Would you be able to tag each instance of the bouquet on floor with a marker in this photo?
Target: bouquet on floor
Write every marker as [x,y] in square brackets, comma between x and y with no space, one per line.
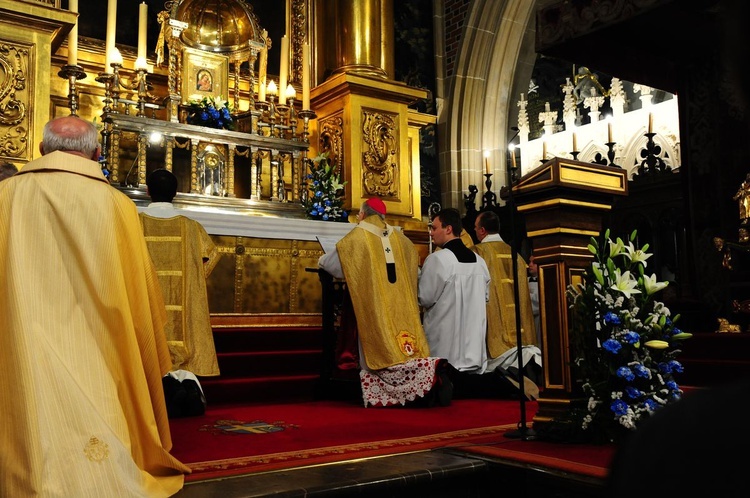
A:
[324,200]
[625,342]
[213,112]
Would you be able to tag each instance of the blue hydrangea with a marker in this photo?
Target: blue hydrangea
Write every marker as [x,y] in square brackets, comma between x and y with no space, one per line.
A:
[625,373]
[619,407]
[612,346]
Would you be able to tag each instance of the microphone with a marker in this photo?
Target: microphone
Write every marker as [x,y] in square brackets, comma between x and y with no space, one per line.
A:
[514,128]
[124,183]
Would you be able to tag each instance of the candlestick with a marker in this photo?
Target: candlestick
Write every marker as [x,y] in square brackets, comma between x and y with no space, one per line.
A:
[306,76]
[650,122]
[142,29]
[111,30]
[284,68]
[73,37]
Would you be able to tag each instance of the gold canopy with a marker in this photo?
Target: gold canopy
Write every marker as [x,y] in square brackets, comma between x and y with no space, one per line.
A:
[222,26]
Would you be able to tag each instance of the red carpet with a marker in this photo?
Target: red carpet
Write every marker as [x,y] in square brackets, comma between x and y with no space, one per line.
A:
[585,459]
[245,439]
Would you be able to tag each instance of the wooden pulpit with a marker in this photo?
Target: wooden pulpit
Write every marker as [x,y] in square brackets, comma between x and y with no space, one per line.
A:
[564,203]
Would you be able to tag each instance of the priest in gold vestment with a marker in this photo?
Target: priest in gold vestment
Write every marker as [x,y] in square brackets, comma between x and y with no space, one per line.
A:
[501,308]
[380,265]
[83,347]
[184,256]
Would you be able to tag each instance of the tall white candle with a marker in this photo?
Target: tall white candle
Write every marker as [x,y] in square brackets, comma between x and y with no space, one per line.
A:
[109,43]
[73,36]
[262,64]
[142,29]
[306,76]
[609,132]
[283,68]
[650,122]
[575,142]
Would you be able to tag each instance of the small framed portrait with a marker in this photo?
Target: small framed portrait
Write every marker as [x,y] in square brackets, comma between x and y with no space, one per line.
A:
[204,74]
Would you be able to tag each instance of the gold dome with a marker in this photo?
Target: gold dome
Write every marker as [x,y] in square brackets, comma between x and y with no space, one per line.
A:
[222,26]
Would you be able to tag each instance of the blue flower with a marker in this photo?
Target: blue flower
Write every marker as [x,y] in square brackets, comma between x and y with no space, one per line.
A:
[611,318]
[676,366]
[632,392]
[631,337]
[619,407]
[625,373]
[612,346]
[642,371]
[650,404]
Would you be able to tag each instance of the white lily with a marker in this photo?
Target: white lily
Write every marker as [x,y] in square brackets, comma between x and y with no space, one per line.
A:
[616,248]
[636,255]
[625,283]
[219,102]
[652,286]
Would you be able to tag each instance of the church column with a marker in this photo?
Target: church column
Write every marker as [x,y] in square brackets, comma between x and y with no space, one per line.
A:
[363,116]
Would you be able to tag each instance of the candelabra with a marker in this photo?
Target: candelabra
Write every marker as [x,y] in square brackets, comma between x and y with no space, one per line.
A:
[652,164]
[72,73]
[611,154]
[489,199]
[268,115]
[292,119]
[306,115]
[142,85]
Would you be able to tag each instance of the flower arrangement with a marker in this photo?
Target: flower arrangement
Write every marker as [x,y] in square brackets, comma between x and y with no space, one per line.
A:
[624,340]
[324,183]
[213,112]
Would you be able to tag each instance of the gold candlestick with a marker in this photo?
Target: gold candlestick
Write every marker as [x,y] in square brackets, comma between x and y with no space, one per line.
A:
[72,73]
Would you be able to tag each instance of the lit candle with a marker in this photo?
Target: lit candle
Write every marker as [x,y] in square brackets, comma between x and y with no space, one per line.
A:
[650,122]
[117,57]
[284,68]
[109,43]
[544,146]
[512,148]
[290,93]
[272,88]
[141,63]
[609,132]
[142,29]
[575,142]
[306,76]
[487,162]
[73,37]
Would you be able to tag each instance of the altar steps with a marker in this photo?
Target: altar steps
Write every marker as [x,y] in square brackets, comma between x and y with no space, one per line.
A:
[267,359]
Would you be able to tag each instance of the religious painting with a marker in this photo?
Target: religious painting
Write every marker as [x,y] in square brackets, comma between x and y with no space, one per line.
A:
[205,74]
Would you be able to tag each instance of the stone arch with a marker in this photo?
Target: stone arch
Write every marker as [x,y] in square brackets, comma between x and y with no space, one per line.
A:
[494,64]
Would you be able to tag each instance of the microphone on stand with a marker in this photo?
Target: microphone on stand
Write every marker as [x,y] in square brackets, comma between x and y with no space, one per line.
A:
[124,183]
[523,432]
